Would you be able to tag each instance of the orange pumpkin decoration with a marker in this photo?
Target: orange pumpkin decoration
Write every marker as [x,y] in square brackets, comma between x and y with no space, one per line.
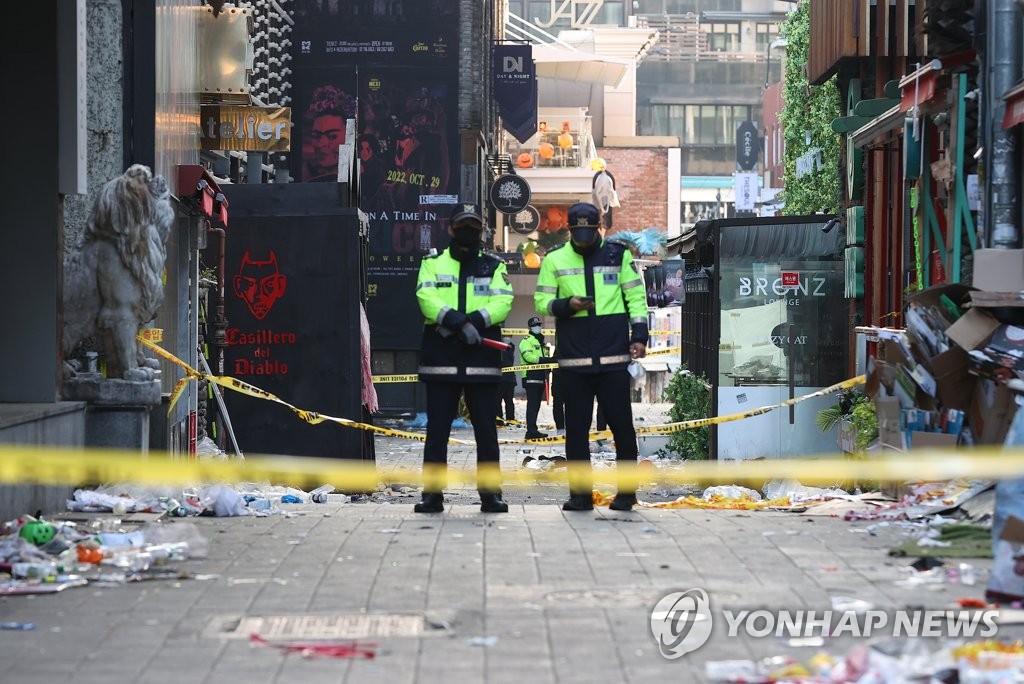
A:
[557,218]
[524,160]
[531,260]
[546,150]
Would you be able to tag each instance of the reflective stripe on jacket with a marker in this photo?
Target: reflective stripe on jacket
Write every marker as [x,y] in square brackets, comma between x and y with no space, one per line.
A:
[480,289]
[531,351]
[598,339]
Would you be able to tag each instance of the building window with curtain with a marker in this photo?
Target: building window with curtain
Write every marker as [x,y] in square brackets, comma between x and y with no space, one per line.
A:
[765,34]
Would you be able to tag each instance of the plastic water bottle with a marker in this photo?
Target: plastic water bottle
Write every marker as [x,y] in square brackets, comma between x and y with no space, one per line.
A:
[319,495]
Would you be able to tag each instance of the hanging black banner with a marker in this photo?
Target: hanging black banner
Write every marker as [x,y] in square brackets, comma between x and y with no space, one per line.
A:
[515,88]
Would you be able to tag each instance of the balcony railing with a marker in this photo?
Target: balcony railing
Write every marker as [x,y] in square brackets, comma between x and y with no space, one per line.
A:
[682,38]
[560,143]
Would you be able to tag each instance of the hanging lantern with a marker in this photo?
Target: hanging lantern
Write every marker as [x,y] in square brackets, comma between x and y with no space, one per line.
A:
[565,140]
[531,260]
[546,150]
[524,160]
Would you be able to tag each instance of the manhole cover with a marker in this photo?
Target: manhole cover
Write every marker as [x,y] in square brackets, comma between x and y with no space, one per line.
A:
[325,626]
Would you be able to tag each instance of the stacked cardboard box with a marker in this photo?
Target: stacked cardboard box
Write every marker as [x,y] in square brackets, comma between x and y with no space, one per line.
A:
[941,380]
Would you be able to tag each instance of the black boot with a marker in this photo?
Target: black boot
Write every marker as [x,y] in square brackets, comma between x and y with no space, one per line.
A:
[490,502]
[431,503]
[623,502]
[579,502]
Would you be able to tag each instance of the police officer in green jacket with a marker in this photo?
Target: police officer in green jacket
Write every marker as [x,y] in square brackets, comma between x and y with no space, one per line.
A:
[531,351]
[464,295]
[596,295]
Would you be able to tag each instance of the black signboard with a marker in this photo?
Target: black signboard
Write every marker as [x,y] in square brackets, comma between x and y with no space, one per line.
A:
[419,33]
[294,265]
[525,221]
[509,194]
[412,116]
[748,144]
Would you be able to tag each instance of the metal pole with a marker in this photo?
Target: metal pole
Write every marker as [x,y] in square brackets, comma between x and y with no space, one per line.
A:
[1002,66]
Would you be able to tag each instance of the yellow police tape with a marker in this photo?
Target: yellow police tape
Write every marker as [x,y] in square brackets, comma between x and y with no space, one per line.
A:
[311,417]
[669,428]
[314,418]
[63,466]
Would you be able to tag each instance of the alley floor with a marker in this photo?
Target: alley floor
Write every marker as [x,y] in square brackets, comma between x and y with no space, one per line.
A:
[535,595]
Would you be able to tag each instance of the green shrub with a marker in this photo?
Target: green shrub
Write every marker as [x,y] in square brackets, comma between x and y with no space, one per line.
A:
[690,396]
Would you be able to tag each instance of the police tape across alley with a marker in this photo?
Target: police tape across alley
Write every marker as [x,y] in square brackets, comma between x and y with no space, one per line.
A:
[314,418]
[53,465]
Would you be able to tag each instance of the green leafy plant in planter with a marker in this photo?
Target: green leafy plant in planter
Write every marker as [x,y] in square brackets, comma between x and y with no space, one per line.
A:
[690,396]
[856,407]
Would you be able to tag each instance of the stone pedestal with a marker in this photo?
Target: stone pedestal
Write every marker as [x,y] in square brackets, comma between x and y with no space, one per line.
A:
[117,415]
[118,427]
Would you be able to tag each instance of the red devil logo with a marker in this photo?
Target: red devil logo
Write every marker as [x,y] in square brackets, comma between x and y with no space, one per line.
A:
[259,284]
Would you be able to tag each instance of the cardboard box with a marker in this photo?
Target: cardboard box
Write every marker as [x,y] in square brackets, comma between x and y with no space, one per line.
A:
[999,270]
[991,412]
[973,329]
[887,411]
[932,440]
[954,380]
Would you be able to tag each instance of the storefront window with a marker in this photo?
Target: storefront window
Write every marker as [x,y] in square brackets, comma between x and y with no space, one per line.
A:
[776,334]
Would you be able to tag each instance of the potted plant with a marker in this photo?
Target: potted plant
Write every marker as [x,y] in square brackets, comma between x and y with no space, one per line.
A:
[854,414]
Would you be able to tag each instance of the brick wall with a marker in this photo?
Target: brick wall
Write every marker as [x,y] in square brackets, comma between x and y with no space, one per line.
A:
[641,181]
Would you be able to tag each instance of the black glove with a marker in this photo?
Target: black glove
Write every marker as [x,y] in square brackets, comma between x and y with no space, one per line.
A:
[454,320]
[469,334]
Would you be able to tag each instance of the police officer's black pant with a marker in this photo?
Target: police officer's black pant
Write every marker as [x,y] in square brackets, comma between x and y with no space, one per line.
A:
[557,401]
[534,395]
[442,409]
[611,389]
[506,394]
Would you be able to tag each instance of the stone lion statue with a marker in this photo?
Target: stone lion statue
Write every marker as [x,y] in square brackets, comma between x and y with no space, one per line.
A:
[113,276]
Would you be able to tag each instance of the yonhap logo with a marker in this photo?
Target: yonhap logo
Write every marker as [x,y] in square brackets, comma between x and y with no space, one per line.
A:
[681,622]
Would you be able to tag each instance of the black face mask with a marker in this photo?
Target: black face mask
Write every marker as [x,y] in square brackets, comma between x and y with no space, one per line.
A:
[584,237]
[466,236]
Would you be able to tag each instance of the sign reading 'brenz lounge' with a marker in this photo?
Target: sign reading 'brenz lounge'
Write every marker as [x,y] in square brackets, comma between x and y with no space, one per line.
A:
[249,129]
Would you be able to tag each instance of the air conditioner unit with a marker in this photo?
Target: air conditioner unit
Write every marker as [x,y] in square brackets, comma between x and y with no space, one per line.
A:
[225,54]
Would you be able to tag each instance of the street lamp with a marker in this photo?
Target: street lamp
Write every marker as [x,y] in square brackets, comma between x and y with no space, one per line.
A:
[776,43]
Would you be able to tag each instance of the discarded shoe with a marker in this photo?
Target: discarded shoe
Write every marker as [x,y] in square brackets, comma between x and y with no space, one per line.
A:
[579,502]
[492,503]
[623,502]
[536,435]
[431,503]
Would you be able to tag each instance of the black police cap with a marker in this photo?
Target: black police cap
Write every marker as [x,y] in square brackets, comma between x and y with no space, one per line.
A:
[584,215]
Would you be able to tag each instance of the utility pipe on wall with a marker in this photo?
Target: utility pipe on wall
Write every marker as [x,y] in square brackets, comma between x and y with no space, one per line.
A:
[1002,67]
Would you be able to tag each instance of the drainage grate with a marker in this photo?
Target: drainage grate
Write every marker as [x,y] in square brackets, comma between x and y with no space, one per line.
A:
[325,626]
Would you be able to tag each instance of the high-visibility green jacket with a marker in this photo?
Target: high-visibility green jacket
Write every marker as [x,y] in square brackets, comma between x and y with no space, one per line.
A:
[451,292]
[531,351]
[596,340]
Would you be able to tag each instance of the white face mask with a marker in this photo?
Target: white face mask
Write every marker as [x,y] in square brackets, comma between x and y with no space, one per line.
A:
[535,329]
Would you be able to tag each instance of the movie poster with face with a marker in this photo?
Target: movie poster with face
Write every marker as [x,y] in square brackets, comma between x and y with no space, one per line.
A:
[322,101]
[402,56]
